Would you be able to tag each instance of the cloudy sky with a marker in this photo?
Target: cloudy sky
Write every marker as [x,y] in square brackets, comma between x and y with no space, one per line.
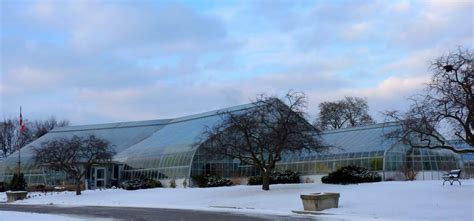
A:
[107,61]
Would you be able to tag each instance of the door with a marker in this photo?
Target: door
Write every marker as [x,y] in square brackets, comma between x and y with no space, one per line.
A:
[99,174]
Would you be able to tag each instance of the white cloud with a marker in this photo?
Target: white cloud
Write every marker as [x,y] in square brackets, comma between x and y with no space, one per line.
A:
[42,10]
[357,30]
[100,61]
[24,80]
[433,24]
[402,6]
[395,87]
[149,30]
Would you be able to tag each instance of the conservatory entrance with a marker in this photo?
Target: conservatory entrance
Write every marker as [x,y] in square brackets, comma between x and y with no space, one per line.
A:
[99,175]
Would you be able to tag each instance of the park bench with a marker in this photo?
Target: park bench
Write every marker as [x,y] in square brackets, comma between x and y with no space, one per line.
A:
[452,176]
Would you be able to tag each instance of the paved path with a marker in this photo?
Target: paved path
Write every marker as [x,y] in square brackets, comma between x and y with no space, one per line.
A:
[139,214]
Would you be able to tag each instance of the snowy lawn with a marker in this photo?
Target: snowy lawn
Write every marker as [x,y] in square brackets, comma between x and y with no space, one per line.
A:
[417,200]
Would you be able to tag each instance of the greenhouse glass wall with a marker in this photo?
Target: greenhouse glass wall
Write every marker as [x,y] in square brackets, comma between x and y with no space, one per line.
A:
[169,149]
[364,146]
[467,158]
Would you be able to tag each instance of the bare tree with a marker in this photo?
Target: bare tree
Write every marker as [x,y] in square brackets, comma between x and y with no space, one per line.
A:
[74,155]
[10,137]
[258,136]
[41,127]
[348,112]
[447,103]
[7,133]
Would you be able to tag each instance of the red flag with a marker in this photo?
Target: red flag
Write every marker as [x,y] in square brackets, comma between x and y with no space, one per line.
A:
[22,125]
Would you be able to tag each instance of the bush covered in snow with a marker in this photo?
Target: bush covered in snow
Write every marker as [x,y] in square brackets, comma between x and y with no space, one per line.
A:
[277,177]
[210,181]
[134,184]
[173,183]
[145,183]
[351,174]
[151,183]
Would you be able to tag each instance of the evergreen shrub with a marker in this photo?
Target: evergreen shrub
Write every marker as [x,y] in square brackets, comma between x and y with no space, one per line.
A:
[18,183]
[151,183]
[350,175]
[211,181]
[143,183]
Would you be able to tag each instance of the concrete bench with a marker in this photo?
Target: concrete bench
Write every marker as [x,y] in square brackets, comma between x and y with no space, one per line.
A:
[13,196]
[320,201]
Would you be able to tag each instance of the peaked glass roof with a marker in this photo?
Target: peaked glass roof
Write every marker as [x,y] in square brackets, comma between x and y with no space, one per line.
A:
[360,139]
[135,140]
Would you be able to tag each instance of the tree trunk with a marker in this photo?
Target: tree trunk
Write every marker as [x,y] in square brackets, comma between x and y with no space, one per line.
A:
[78,187]
[265,181]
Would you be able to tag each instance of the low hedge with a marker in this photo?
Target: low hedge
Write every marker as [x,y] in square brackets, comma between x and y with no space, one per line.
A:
[277,177]
[211,181]
[144,183]
[37,188]
[350,175]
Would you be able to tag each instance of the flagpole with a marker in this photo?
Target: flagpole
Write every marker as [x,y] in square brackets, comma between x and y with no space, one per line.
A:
[19,146]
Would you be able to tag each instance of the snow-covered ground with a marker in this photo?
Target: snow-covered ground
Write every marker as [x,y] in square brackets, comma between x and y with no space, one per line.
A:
[417,200]
[12,216]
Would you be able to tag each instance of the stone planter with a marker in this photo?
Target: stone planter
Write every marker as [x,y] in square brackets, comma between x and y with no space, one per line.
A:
[16,195]
[320,201]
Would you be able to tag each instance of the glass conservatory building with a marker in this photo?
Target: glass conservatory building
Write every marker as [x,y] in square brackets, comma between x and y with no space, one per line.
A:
[467,158]
[170,149]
